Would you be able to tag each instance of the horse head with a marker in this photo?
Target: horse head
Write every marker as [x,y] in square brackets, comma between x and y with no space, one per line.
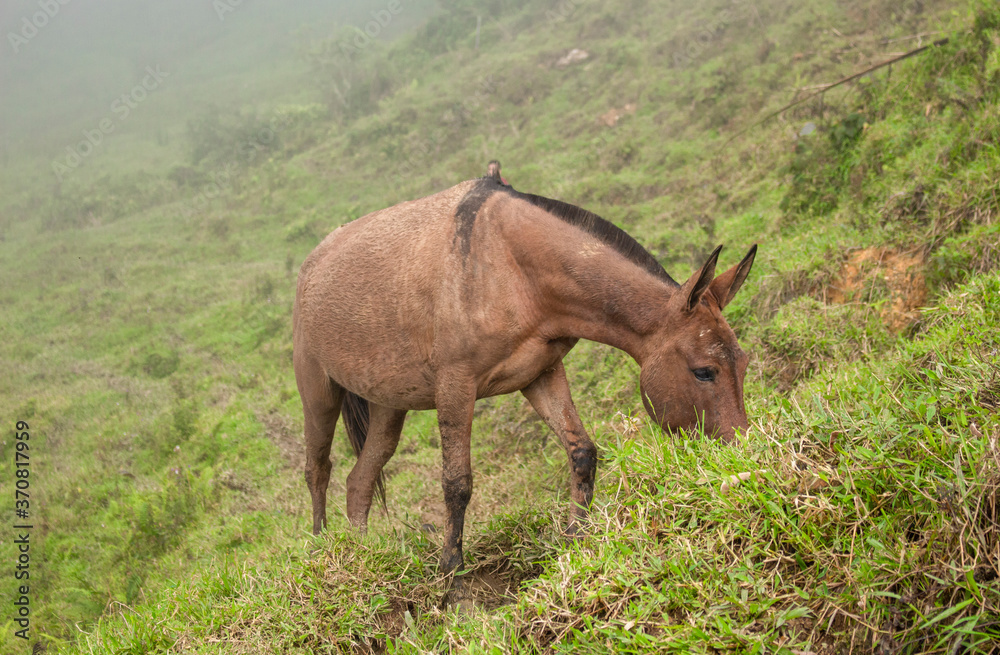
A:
[693,374]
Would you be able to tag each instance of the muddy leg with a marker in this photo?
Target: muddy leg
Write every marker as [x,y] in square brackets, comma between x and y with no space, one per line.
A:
[321,408]
[455,405]
[549,395]
[383,435]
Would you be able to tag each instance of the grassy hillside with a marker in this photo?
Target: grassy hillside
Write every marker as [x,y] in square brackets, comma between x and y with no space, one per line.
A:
[147,344]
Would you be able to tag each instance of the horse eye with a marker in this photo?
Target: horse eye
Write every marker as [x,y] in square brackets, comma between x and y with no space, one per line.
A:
[704,374]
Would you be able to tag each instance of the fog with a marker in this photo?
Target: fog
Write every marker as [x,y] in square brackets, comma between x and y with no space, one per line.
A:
[64,62]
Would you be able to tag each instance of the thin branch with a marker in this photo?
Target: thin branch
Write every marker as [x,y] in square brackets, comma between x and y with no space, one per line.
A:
[826,88]
[910,38]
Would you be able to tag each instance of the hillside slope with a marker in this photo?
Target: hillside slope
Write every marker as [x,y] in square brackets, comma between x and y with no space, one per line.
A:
[147,344]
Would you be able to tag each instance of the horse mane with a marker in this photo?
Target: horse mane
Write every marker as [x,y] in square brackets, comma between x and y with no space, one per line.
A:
[605,231]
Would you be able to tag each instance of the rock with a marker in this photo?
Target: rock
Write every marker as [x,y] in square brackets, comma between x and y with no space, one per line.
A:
[573,56]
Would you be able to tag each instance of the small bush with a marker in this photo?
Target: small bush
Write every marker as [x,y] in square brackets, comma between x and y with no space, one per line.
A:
[159,365]
[820,168]
[807,334]
[221,138]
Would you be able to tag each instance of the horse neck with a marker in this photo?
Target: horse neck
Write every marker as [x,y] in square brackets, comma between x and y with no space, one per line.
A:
[590,291]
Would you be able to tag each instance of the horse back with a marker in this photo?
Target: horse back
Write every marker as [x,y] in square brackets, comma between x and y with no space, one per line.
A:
[386,301]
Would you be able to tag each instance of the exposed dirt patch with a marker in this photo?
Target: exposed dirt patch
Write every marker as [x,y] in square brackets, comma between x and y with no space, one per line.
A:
[234,481]
[432,513]
[394,621]
[280,431]
[613,115]
[427,505]
[900,274]
[989,397]
[986,512]
[479,588]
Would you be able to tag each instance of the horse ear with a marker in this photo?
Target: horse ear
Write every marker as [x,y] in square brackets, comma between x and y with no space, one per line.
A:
[724,287]
[699,283]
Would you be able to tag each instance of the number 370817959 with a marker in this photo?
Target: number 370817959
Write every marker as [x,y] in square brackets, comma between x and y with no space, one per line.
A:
[22,473]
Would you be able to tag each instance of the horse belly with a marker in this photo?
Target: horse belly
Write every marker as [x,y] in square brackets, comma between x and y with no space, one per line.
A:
[387,374]
[523,366]
[406,398]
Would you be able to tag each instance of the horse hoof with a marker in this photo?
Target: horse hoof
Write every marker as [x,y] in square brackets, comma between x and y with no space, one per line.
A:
[458,595]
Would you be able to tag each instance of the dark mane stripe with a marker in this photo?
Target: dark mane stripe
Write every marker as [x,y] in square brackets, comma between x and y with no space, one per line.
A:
[605,231]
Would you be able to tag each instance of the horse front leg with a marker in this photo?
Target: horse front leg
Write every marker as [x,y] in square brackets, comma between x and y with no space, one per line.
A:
[549,395]
[455,404]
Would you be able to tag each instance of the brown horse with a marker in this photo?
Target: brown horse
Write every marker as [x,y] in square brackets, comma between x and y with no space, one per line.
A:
[480,290]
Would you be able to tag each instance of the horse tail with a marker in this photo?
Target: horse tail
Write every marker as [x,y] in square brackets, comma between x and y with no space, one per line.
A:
[356,420]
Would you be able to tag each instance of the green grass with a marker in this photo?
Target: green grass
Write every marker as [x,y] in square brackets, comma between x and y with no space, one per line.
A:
[871,515]
[147,343]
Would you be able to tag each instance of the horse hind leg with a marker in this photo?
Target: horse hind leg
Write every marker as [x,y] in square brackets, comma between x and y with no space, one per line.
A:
[377,445]
[321,398]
